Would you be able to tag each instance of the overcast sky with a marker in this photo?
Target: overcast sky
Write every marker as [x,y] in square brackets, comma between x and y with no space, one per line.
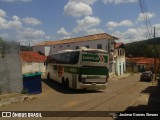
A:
[34,21]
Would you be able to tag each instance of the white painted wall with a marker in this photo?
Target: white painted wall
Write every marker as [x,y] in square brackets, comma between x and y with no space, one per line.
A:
[32,67]
[47,50]
[72,46]
[120,62]
[120,66]
[92,44]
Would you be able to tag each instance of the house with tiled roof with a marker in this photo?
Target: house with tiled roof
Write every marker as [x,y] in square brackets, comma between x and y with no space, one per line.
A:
[32,62]
[97,41]
[140,64]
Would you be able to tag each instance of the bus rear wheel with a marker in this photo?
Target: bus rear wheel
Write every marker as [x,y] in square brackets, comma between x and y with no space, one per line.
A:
[48,76]
[63,82]
[67,84]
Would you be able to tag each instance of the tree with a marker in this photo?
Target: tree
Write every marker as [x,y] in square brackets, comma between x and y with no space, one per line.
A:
[143,48]
[1,40]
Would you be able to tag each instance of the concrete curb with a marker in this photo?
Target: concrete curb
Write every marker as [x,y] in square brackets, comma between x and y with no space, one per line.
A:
[11,100]
[126,76]
[121,77]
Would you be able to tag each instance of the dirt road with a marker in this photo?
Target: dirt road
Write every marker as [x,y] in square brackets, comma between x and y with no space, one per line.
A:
[119,95]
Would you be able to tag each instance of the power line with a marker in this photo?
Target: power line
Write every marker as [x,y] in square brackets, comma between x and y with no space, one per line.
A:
[144,10]
[148,21]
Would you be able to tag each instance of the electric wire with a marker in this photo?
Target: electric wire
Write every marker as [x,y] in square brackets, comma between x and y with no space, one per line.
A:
[144,10]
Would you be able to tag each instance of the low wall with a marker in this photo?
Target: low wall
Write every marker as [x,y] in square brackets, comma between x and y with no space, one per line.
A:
[10,68]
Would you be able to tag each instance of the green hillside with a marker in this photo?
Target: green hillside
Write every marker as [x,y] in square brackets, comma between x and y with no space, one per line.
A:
[143,48]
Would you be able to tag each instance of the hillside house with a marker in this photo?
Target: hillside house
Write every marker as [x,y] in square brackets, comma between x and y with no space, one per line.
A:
[140,64]
[32,62]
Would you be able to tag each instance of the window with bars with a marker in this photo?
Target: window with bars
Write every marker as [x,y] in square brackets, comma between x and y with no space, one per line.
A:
[87,46]
[68,45]
[99,46]
[77,47]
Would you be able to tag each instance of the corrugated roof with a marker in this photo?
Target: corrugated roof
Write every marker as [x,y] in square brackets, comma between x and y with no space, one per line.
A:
[79,39]
[32,56]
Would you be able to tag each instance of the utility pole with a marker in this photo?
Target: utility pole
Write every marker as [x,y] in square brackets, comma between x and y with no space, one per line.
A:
[155,55]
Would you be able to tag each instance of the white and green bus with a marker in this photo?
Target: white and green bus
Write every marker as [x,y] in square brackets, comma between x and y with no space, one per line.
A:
[79,69]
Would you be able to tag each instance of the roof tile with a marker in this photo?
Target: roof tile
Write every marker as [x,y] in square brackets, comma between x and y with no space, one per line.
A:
[32,56]
[143,60]
[79,39]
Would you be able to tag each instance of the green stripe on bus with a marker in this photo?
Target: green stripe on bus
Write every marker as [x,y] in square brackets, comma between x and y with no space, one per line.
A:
[94,71]
[84,70]
[74,70]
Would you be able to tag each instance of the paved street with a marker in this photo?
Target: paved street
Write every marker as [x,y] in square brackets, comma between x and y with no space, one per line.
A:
[119,95]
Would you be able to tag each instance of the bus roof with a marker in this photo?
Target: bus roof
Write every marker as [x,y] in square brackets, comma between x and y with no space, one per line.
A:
[83,49]
[94,50]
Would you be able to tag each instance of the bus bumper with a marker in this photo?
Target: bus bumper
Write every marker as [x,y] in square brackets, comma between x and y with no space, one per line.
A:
[93,86]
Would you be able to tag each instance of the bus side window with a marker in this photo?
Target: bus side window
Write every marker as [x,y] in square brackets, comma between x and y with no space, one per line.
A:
[65,58]
[74,56]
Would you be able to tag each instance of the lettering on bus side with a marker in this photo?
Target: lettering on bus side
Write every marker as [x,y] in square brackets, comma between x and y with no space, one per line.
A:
[94,58]
[71,69]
